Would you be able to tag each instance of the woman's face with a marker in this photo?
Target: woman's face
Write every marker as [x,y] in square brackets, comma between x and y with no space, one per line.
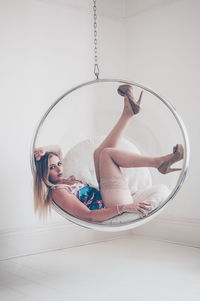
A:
[55,170]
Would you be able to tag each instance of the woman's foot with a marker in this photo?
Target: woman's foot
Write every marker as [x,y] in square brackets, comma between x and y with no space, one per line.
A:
[128,91]
[176,156]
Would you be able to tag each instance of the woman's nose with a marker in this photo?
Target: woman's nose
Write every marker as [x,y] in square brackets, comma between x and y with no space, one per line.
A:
[58,168]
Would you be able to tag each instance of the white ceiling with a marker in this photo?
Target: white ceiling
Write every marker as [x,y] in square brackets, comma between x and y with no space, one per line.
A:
[111,8]
[134,7]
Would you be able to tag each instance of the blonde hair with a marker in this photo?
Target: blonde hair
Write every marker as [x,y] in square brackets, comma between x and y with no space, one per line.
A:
[42,186]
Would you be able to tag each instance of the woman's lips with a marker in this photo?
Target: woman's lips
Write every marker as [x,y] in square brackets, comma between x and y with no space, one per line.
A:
[60,174]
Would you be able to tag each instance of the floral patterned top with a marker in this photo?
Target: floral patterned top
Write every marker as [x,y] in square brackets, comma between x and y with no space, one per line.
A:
[88,195]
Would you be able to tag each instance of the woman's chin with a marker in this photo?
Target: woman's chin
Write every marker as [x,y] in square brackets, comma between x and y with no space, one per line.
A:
[57,181]
[60,179]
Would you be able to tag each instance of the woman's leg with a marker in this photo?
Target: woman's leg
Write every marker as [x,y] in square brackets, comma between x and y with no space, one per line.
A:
[114,137]
[111,159]
[113,187]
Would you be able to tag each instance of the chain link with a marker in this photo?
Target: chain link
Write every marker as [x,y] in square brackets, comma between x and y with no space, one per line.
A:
[96,67]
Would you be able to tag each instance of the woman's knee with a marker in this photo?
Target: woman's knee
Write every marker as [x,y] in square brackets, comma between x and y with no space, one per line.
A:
[96,154]
[98,151]
[106,152]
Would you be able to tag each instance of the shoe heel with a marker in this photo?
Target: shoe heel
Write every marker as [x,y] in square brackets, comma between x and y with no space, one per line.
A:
[120,92]
[174,169]
[140,98]
[162,169]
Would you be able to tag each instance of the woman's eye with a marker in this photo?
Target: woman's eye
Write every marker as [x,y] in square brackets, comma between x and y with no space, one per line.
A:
[51,167]
[59,163]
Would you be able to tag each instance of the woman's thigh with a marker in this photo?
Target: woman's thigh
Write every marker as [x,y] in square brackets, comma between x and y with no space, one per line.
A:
[112,197]
[107,167]
[104,165]
[113,186]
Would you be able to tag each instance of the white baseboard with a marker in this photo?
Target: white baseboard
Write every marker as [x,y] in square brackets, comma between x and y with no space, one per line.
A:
[177,230]
[60,235]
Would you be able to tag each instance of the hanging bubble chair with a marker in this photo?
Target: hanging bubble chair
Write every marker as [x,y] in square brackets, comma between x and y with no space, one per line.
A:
[81,118]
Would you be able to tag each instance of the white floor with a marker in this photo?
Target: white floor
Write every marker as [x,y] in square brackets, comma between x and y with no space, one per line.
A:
[131,268]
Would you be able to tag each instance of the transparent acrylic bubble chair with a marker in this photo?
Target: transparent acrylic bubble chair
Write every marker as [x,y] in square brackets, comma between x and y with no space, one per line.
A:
[80,119]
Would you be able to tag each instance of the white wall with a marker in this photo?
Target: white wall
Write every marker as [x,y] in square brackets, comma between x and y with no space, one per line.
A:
[47,48]
[163,44]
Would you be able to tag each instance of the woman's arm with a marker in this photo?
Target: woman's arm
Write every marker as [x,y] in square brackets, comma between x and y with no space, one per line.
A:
[41,151]
[73,205]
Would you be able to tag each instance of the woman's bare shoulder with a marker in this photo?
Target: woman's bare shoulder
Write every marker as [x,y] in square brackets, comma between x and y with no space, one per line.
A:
[58,192]
[62,197]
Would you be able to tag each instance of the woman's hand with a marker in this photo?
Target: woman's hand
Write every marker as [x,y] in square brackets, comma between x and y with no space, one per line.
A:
[39,152]
[138,208]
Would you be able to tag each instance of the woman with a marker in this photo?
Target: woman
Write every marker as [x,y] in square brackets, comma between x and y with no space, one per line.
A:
[113,197]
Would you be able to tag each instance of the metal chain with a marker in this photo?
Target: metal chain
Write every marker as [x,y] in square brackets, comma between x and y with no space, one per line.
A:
[96,67]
